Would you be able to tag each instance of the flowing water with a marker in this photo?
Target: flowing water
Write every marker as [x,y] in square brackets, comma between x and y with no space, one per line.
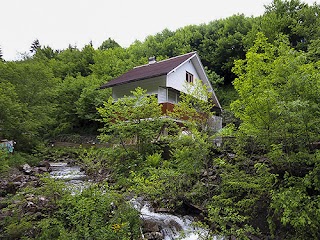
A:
[171,226]
[74,177]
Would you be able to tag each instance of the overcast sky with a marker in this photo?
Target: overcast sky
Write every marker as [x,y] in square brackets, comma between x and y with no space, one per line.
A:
[58,23]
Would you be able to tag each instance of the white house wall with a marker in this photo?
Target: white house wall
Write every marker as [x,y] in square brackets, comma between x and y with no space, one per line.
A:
[177,79]
[151,85]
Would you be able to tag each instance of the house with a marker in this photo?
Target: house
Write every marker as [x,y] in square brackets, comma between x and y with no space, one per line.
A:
[166,80]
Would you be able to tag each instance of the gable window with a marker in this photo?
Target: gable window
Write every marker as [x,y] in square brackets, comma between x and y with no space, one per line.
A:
[189,77]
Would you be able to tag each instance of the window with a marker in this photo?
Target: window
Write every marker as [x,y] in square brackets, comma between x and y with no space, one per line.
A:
[189,77]
[172,96]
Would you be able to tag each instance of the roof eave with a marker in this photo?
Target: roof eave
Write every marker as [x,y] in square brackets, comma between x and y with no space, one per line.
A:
[194,53]
[133,80]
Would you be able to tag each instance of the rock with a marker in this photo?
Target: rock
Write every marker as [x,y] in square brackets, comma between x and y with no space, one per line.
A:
[175,225]
[19,178]
[71,162]
[26,168]
[154,236]
[163,210]
[43,169]
[10,187]
[150,226]
[45,164]
[31,207]
[3,203]
[17,184]
[42,201]
[231,155]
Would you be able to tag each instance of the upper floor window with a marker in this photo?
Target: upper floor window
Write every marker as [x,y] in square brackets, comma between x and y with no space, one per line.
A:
[189,77]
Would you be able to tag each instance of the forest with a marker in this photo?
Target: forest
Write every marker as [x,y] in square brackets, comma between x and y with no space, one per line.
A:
[262,183]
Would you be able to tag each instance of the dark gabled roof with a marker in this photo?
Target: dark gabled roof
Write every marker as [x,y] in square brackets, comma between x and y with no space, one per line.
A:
[150,70]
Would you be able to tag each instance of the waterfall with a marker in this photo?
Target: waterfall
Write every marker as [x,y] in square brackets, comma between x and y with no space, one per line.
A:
[170,226]
[165,226]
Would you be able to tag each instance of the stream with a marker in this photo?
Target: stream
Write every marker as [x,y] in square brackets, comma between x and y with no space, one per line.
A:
[168,226]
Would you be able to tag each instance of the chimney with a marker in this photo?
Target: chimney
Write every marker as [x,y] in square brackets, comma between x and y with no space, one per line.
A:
[152,60]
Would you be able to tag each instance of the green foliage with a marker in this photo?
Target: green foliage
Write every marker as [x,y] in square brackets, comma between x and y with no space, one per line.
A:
[153,160]
[296,204]
[73,62]
[8,161]
[276,107]
[162,185]
[98,214]
[26,101]
[293,18]
[223,43]
[95,213]
[278,95]
[12,111]
[240,197]
[136,118]
[4,161]
[194,106]
[109,43]
[77,101]
[111,63]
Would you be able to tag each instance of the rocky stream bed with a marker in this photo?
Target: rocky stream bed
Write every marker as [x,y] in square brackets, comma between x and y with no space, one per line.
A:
[157,224]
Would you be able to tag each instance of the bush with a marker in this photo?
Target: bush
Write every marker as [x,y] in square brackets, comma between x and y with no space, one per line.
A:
[95,213]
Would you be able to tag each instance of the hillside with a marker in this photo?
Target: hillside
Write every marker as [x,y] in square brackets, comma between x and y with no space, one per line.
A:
[262,183]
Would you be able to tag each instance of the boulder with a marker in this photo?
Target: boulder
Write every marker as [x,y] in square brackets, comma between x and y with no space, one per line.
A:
[19,178]
[153,236]
[26,168]
[44,164]
[150,226]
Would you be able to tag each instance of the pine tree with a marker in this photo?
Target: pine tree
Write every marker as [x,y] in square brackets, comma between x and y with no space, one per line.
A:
[35,46]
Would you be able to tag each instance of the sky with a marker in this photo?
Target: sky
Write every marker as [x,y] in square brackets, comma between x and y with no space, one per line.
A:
[58,23]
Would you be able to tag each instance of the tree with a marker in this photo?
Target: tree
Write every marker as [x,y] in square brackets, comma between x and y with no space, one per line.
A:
[293,18]
[1,55]
[111,63]
[33,86]
[13,112]
[134,118]
[278,101]
[279,107]
[45,53]
[72,62]
[194,107]
[223,43]
[109,43]
[76,101]
[35,46]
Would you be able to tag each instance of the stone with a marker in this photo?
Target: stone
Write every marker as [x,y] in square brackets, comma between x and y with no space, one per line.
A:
[153,236]
[31,207]
[163,210]
[150,226]
[45,164]
[18,178]
[43,169]
[26,168]
[175,225]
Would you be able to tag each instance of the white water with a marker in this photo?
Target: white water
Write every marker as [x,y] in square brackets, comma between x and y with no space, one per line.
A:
[172,226]
[72,175]
[61,170]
